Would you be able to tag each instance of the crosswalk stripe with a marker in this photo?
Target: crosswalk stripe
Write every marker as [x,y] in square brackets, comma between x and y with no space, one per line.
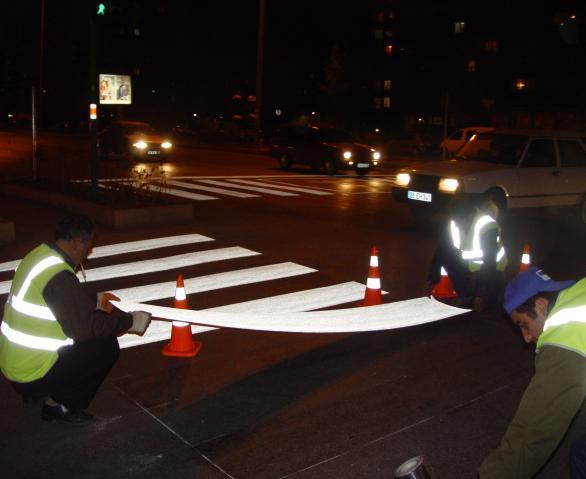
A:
[211,189]
[251,188]
[9,265]
[180,193]
[153,292]
[283,187]
[307,300]
[157,264]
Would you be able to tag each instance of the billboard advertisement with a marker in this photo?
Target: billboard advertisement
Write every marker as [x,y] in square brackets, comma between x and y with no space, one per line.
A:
[115,89]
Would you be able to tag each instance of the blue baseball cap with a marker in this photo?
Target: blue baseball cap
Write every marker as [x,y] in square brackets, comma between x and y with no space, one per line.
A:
[528,284]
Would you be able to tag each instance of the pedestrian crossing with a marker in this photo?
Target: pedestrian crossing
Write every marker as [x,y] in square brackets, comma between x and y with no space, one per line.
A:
[137,287]
[207,188]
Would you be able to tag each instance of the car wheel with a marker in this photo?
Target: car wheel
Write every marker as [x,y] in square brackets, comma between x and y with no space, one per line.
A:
[330,167]
[285,162]
[361,171]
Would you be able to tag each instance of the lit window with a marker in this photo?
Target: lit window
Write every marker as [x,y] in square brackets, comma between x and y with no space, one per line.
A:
[387,102]
[471,66]
[137,32]
[491,45]
[520,84]
[387,84]
[388,49]
[378,34]
[377,102]
[459,27]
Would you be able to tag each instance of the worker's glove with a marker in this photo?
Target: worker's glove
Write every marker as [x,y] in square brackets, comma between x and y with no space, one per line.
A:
[140,322]
[104,302]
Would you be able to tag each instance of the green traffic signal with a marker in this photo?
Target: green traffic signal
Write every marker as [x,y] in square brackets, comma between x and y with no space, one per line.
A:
[101,9]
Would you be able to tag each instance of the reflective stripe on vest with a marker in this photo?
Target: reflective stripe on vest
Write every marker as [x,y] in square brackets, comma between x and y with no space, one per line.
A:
[33,342]
[455,231]
[473,252]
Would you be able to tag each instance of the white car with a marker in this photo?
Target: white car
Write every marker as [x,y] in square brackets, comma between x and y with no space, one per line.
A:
[458,138]
[517,168]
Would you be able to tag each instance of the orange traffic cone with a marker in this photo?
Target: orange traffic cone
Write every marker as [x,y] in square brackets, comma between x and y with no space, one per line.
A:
[372,295]
[182,344]
[525,259]
[444,289]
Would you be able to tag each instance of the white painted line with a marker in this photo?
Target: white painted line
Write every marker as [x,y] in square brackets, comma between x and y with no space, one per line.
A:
[300,301]
[282,187]
[211,189]
[157,264]
[179,193]
[251,188]
[9,265]
[146,245]
[152,292]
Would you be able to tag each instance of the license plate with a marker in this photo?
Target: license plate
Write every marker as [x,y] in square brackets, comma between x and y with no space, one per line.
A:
[153,152]
[363,165]
[419,196]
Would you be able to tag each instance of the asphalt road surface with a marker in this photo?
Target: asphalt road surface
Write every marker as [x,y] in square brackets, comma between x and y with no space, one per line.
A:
[275,405]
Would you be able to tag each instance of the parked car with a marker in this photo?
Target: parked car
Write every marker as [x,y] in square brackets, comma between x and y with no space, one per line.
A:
[458,138]
[328,148]
[133,141]
[518,169]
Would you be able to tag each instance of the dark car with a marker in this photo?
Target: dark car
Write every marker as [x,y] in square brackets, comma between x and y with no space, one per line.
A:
[328,148]
[133,141]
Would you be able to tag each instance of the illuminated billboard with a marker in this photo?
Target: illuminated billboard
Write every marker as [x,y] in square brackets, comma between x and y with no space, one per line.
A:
[115,89]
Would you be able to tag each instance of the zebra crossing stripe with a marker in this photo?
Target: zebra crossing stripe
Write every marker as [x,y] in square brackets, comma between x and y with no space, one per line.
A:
[9,265]
[180,193]
[211,189]
[283,187]
[291,302]
[157,264]
[267,191]
[152,292]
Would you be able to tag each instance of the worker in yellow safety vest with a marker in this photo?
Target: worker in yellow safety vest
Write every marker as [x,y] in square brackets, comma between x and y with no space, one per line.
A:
[57,342]
[551,314]
[473,257]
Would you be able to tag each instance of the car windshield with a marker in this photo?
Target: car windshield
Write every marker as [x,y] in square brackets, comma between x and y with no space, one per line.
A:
[138,128]
[493,148]
[330,134]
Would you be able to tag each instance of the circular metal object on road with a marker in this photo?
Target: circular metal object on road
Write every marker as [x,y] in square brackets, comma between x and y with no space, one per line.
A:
[412,469]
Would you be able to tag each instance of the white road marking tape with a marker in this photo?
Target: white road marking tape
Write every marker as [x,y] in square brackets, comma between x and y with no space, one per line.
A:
[401,314]
[157,264]
[180,193]
[211,189]
[9,265]
[300,301]
[282,187]
[153,292]
[251,188]
[146,245]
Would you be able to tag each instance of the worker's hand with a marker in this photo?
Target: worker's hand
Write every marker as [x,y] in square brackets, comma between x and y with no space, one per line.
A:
[140,322]
[104,302]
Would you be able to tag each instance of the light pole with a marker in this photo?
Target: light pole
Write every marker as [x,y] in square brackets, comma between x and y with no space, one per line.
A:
[259,67]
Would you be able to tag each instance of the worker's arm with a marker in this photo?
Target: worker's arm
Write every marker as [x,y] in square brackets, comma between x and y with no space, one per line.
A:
[76,311]
[547,408]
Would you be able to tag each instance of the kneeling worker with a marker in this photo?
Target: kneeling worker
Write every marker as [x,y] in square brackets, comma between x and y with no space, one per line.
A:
[550,314]
[56,341]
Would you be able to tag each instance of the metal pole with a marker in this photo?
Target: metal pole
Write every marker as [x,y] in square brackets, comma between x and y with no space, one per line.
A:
[444,150]
[34,127]
[93,97]
[259,67]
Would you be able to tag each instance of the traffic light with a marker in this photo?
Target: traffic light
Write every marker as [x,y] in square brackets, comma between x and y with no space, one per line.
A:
[103,8]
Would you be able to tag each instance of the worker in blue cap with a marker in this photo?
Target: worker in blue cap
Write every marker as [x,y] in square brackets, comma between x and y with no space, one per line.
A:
[551,314]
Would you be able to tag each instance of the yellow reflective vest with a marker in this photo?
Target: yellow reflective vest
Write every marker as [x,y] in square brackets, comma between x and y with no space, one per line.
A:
[470,246]
[30,334]
[565,325]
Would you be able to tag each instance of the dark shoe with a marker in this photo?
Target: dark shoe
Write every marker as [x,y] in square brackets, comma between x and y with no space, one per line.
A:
[62,414]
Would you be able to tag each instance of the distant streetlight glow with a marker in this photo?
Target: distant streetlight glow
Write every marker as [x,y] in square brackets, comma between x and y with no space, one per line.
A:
[376,130]
[313,113]
[93,111]
[278,112]
[194,115]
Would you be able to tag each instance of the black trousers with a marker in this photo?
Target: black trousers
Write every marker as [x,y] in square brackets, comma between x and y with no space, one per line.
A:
[77,374]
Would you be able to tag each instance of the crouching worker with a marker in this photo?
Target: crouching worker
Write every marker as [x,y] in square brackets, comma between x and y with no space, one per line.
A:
[57,342]
[472,253]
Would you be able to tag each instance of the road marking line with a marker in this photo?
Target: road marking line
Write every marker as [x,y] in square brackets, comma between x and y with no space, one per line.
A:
[307,300]
[282,187]
[211,189]
[157,264]
[200,284]
[180,193]
[146,245]
[251,188]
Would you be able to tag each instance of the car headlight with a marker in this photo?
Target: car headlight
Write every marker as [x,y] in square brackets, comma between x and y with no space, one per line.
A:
[347,155]
[403,179]
[376,155]
[166,145]
[448,185]
[141,145]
